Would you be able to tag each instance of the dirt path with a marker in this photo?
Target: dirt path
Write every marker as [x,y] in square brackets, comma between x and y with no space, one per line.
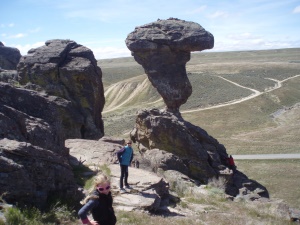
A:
[236,101]
[256,93]
[268,156]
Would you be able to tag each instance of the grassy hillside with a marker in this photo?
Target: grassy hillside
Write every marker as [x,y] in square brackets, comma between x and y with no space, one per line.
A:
[267,122]
[127,89]
[280,177]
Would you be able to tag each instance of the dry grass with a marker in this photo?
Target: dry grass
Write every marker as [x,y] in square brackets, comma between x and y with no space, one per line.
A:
[209,209]
[280,177]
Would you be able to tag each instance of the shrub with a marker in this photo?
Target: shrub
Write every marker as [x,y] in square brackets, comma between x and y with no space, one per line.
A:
[219,183]
[57,214]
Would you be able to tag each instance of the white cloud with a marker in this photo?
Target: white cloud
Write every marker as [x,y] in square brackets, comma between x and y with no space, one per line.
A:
[242,36]
[7,25]
[297,9]
[25,48]
[99,53]
[219,14]
[35,30]
[95,14]
[110,52]
[20,35]
[3,35]
[197,10]
[252,44]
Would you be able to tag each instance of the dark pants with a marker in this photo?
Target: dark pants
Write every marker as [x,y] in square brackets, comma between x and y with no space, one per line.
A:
[124,175]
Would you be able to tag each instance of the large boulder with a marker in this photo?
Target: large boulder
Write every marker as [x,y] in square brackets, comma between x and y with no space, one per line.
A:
[200,153]
[39,119]
[59,96]
[33,157]
[66,69]
[29,174]
[92,152]
[9,57]
[163,48]
[167,142]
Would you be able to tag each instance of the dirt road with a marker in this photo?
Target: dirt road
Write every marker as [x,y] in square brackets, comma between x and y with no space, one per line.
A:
[268,156]
[236,101]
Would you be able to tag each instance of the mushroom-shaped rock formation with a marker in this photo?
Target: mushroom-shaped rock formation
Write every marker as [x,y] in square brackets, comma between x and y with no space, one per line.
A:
[163,48]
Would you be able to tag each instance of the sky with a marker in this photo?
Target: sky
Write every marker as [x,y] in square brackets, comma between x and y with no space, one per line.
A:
[103,25]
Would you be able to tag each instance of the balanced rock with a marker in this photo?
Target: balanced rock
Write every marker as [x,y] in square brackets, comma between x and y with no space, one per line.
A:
[9,57]
[163,49]
[66,69]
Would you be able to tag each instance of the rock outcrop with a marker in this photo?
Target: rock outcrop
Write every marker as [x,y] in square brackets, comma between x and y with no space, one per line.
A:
[29,174]
[150,192]
[66,69]
[102,151]
[36,118]
[165,140]
[168,142]
[156,181]
[9,57]
[55,94]
[33,157]
[163,48]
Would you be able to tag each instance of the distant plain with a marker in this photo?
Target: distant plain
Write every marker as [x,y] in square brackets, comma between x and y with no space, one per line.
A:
[248,100]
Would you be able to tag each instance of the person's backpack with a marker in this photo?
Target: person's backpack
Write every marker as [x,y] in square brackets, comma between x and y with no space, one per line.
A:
[119,154]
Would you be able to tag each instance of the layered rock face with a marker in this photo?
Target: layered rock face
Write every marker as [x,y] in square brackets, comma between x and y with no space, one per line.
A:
[163,48]
[60,96]
[66,69]
[30,174]
[200,154]
[33,157]
[9,57]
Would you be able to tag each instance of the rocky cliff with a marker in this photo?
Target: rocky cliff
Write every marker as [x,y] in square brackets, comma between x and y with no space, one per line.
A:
[56,93]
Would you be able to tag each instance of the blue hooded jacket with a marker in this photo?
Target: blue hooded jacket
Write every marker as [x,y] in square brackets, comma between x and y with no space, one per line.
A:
[125,155]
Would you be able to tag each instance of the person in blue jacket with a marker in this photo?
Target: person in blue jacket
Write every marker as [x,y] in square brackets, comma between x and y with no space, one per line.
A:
[99,202]
[125,156]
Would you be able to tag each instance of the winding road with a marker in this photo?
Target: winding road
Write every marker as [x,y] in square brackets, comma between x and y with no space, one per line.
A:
[236,101]
[267,156]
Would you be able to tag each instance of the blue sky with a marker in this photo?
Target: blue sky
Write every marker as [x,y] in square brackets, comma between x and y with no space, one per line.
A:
[103,26]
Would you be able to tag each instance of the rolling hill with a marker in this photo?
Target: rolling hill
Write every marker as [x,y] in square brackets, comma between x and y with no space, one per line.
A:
[240,98]
[248,100]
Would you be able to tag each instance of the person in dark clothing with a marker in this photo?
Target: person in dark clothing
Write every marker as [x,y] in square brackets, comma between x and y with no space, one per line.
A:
[125,156]
[231,163]
[99,202]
